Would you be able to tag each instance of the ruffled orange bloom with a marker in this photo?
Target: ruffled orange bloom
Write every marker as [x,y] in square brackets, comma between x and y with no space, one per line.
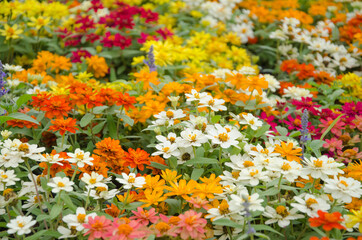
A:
[154,107]
[112,210]
[289,66]
[107,96]
[354,170]
[57,106]
[136,158]
[288,152]
[112,153]
[147,78]
[172,87]
[328,221]
[64,125]
[97,66]
[99,166]
[78,92]
[60,63]
[139,115]
[125,100]
[305,71]
[356,204]
[22,123]
[323,77]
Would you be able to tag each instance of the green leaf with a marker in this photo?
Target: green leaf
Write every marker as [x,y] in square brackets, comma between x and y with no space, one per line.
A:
[99,109]
[262,130]
[316,145]
[282,131]
[23,99]
[126,119]
[18,116]
[42,217]
[270,192]
[201,160]
[215,119]
[227,222]
[158,165]
[112,74]
[68,202]
[37,235]
[295,134]
[196,173]
[98,127]
[86,119]
[111,127]
[331,126]
[56,210]
[265,228]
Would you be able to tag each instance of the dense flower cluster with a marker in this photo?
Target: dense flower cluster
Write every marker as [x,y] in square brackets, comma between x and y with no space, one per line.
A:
[165,119]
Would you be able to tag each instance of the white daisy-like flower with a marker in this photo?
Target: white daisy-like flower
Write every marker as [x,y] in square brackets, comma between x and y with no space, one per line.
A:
[343,189]
[310,204]
[33,200]
[61,184]
[169,116]
[252,121]
[322,167]
[21,225]
[93,180]
[171,137]
[213,103]
[66,232]
[224,136]
[13,83]
[192,137]
[196,123]
[221,211]
[273,83]
[131,181]
[78,219]
[237,202]
[7,178]
[279,35]
[52,159]
[281,214]
[6,134]
[12,68]
[245,70]
[167,149]
[195,96]
[102,193]
[296,93]
[80,158]
[290,170]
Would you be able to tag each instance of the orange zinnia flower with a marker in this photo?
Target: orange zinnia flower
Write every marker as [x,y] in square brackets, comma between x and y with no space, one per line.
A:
[99,166]
[288,152]
[327,220]
[57,106]
[64,125]
[22,123]
[113,210]
[136,158]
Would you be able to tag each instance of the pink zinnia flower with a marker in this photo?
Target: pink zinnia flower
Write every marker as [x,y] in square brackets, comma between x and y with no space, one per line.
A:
[336,129]
[333,144]
[144,217]
[97,227]
[123,229]
[199,203]
[164,227]
[191,225]
[306,103]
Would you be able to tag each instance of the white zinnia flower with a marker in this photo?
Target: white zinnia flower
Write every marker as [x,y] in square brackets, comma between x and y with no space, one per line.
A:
[252,121]
[12,68]
[93,180]
[58,184]
[21,225]
[80,158]
[213,103]
[131,180]
[321,167]
[78,219]
[310,204]
[223,136]
[343,189]
[195,96]
[192,138]
[281,214]
[167,149]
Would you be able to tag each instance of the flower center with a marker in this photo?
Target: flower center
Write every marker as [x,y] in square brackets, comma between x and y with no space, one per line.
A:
[248,164]
[36,199]
[235,174]
[310,201]
[172,139]
[286,166]
[165,149]
[254,172]
[318,163]
[192,137]
[169,114]
[81,218]
[223,137]
[92,181]
[21,224]
[211,102]
[224,208]
[251,122]
[131,179]
[162,227]
[79,155]
[344,183]
[60,184]
[24,148]
[282,211]
[4,176]
[97,226]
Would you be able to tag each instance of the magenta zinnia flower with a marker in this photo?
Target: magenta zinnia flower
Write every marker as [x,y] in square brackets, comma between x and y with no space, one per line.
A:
[191,225]
[97,227]
[307,103]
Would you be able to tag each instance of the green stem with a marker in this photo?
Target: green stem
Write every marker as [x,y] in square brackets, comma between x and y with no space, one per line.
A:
[62,141]
[75,172]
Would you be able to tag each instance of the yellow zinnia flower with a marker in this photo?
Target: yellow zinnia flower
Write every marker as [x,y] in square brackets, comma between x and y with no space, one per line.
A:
[11,32]
[38,22]
[354,219]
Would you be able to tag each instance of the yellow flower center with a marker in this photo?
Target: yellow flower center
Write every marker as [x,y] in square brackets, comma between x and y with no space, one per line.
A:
[162,227]
[4,176]
[224,208]
[172,139]
[211,102]
[286,166]
[100,189]
[38,200]
[251,122]
[318,163]
[131,179]
[165,149]
[20,224]
[169,114]
[282,211]
[248,164]
[81,218]
[60,184]
[265,151]
[24,148]
[223,137]
[79,155]
[310,201]
[254,172]
[344,183]
[92,181]
[192,137]
[235,174]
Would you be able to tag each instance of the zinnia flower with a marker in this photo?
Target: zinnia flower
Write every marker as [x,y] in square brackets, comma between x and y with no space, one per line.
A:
[97,227]
[64,125]
[191,225]
[327,220]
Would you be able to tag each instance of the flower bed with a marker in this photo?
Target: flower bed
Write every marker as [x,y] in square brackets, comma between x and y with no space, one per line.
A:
[181,119]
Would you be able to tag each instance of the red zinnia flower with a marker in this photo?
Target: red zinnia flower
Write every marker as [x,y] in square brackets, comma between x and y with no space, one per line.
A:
[64,125]
[327,220]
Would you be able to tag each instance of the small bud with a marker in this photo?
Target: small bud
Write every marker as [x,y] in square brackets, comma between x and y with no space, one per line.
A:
[6,134]
[157,130]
